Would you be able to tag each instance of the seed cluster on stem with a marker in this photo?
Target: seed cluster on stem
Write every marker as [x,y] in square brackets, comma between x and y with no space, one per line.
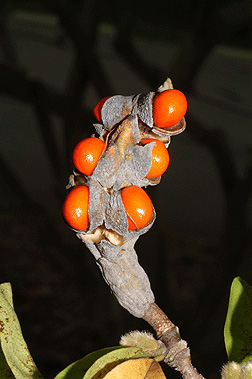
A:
[135,132]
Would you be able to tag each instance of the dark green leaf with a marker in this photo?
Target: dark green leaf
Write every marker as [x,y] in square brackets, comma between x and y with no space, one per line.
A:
[5,371]
[78,369]
[238,325]
[108,361]
[13,345]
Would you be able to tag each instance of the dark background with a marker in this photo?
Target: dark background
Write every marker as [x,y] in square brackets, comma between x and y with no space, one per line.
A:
[58,58]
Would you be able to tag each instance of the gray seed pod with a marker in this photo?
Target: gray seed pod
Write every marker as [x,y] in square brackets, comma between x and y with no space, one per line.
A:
[125,162]
[144,108]
[115,109]
[124,275]
[97,200]
[107,209]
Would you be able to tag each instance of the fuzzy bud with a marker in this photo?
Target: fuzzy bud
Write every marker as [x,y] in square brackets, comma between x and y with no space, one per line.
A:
[146,342]
[231,370]
[247,371]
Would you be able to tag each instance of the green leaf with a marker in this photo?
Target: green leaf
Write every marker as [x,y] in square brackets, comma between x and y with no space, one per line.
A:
[77,369]
[100,362]
[238,325]
[5,371]
[14,348]
[108,361]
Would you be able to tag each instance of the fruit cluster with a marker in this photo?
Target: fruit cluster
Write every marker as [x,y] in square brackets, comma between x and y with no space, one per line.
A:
[134,163]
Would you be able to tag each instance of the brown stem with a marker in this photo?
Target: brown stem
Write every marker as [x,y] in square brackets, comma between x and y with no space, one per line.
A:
[178,356]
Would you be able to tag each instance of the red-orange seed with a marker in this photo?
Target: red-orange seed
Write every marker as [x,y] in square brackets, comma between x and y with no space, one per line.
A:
[98,108]
[75,208]
[87,153]
[138,207]
[169,107]
[160,158]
